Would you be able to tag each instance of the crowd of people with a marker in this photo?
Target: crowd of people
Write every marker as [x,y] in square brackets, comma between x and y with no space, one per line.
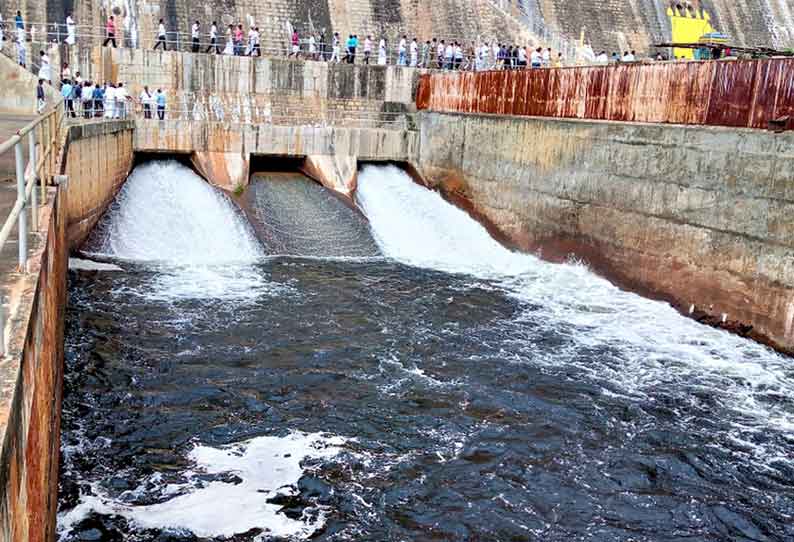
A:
[88,99]
[430,54]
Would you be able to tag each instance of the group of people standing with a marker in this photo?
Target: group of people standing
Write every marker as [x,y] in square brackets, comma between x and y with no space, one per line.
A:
[110,100]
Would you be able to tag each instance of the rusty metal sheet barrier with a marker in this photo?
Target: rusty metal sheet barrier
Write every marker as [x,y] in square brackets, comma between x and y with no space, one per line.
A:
[741,93]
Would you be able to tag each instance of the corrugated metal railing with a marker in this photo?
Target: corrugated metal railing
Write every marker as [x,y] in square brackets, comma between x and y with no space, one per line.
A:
[740,93]
[44,140]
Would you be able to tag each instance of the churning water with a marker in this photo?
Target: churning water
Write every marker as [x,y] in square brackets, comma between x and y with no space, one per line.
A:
[450,390]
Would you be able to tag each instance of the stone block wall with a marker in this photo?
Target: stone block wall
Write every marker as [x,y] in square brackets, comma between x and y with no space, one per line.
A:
[607,24]
[97,160]
[698,216]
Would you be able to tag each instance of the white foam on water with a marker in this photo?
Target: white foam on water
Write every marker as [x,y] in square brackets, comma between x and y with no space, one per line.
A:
[217,508]
[80,264]
[650,344]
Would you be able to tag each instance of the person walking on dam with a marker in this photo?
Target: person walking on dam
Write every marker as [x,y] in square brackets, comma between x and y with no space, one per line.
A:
[110,32]
[41,97]
[367,49]
[195,32]
[160,100]
[214,39]
[161,36]
[71,30]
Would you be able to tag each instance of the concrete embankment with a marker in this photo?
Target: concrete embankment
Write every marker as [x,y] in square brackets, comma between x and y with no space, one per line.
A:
[96,158]
[698,216]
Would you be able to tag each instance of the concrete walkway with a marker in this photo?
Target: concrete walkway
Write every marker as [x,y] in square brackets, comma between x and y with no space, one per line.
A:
[9,125]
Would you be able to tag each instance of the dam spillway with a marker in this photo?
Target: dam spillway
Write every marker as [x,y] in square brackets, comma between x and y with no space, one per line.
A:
[448,388]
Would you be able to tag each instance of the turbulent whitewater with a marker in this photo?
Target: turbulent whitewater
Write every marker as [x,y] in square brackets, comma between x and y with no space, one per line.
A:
[167,213]
[448,390]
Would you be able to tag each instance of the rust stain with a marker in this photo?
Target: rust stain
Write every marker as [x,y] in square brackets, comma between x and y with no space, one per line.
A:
[741,93]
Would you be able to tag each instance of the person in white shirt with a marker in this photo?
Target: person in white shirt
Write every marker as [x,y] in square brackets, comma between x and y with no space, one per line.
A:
[229,49]
[194,36]
[449,54]
[382,53]
[312,47]
[628,57]
[161,36]
[440,54]
[110,101]
[21,49]
[336,50]
[78,78]
[147,101]
[536,58]
[414,53]
[121,101]
[71,30]
[602,58]
[458,56]
[88,100]
[401,50]
[45,70]
[367,49]
[66,73]
[547,57]
[214,39]
[249,51]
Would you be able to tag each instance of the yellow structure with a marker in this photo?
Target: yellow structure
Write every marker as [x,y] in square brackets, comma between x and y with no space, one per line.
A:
[689,25]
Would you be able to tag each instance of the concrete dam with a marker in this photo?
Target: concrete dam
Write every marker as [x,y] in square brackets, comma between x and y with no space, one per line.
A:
[347,302]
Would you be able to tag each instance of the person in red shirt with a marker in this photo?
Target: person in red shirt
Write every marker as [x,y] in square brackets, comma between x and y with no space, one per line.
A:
[110,30]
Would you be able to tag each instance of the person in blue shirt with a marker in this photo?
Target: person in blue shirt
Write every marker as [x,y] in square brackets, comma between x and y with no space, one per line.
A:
[160,99]
[350,45]
[99,101]
[18,20]
[353,49]
[67,93]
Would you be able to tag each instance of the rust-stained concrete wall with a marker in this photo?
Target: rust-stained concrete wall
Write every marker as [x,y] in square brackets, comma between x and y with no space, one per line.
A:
[698,216]
[98,158]
[32,384]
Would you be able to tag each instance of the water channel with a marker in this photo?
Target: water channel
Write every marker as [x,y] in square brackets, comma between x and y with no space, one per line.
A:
[301,369]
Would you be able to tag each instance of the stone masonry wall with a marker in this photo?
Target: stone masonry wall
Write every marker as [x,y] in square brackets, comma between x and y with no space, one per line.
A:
[98,159]
[698,216]
[607,24]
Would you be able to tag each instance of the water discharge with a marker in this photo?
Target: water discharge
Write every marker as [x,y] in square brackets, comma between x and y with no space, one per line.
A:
[295,216]
[167,213]
[448,390]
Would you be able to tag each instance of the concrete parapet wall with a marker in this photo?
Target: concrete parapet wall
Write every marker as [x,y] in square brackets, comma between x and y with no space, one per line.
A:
[32,386]
[98,158]
[267,139]
[694,215]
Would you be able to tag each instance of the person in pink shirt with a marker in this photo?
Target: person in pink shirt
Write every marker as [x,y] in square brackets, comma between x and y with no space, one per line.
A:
[296,44]
[238,40]
[110,30]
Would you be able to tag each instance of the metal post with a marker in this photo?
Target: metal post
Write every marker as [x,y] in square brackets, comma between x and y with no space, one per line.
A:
[34,207]
[23,223]
[2,326]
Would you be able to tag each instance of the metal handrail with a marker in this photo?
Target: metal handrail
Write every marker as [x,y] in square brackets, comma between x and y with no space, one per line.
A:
[44,139]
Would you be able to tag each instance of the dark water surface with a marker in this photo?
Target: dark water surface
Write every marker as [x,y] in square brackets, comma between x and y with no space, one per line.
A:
[456,424]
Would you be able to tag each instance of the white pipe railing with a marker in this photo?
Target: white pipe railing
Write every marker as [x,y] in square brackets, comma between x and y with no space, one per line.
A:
[44,140]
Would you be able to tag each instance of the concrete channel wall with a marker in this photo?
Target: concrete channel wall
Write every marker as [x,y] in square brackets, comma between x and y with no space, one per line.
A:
[96,159]
[699,216]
